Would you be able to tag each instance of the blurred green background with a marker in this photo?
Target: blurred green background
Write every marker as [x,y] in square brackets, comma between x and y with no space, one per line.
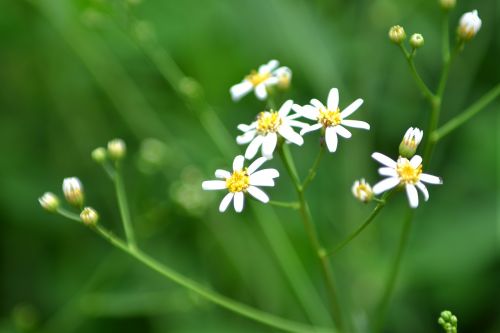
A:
[75,74]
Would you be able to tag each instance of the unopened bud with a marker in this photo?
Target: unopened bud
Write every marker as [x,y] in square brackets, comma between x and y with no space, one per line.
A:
[469,25]
[284,76]
[410,142]
[89,216]
[362,191]
[99,155]
[73,191]
[397,34]
[447,4]
[49,202]
[117,149]
[416,41]
[448,322]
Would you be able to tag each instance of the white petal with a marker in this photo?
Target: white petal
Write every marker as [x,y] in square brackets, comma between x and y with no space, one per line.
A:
[333,99]
[255,165]
[385,171]
[290,135]
[296,123]
[310,128]
[225,202]
[285,108]
[241,89]
[307,111]
[261,91]
[258,194]
[270,66]
[331,139]
[273,80]
[356,124]
[210,185]
[246,128]
[264,173]
[253,147]
[351,108]
[385,185]
[317,104]
[342,131]
[269,144]
[219,173]
[239,200]
[238,162]
[424,177]
[423,189]
[412,194]
[416,161]
[246,137]
[384,160]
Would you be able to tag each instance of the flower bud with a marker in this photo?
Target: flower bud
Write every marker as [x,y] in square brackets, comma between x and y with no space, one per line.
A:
[89,216]
[469,25]
[284,76]
[99,155]
[117,149]
[362,191]
[397,34]
[49,202]
[447,4]
[416,41]
[411,140]
[448,322]
[73,191]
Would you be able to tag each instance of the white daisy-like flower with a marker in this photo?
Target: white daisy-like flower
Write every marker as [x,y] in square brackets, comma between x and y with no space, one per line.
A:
[264,131]
[240,181]
[258,81]
[331,118]
[469,25]
[404,172]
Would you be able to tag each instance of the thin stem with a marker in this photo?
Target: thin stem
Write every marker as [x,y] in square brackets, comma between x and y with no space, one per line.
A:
[69,215]
[312,234]
[445,37]
[467,114]
[391,282]
[234,306]
[446,69]
[313,169]
[123,206]
[284,204]
[418,80]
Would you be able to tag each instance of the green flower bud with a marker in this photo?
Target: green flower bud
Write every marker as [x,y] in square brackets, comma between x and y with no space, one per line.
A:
[397,34]
[89,216]
[73,191]
[117,149]
[410,142]
[49,202]
[447,4]
[448,322]
[99,155]
[416,41]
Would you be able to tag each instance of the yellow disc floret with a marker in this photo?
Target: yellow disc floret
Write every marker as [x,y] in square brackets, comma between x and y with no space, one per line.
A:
[238,181]
[268,122]
[329,118]
[257,78]
[407,173]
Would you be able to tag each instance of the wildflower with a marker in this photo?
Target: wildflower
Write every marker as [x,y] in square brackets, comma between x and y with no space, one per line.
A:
[99,155]
[89,216]
[469,25]
[411,140]
[362,191]
[264,132]
[416,41]
[117,149]
[73,191]
[397,34]
[258,81]
[404,172]
[240,181]
[331,118]
[49,202]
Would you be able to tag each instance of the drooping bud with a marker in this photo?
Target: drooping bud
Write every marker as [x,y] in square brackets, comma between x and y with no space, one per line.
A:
[362,191]
[117,149]
[448,321]
[99,155]
[447,4]
[49,202]
[469,25]
[416,41]
[89,216]
[410,142]
[397,34]
[73,191]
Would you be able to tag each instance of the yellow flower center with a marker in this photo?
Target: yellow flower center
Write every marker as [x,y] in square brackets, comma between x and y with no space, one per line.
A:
[407,173]
[329,118]
[238,181]
[257,78]
[268,122]
[363,191]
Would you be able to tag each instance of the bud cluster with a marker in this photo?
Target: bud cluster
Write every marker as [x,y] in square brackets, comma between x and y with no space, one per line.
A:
[448,321]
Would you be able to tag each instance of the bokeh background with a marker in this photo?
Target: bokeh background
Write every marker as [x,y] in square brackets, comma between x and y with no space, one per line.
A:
[75,74]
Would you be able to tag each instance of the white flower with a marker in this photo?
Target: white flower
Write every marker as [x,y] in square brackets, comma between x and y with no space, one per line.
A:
[264,132]
[469,25]
[331,118]
[410,142]
[258,81]
[49,201]
[73,191]
[117,149]
[404,172]
[362,191]
[240,181]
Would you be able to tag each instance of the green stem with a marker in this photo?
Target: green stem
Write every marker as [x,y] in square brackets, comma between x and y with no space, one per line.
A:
[312,234]
[418,80]
[123,206]
[69,215]
[445,37]
[234,306]
[467,114]
[446,69]
[284,204]
[313,169]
